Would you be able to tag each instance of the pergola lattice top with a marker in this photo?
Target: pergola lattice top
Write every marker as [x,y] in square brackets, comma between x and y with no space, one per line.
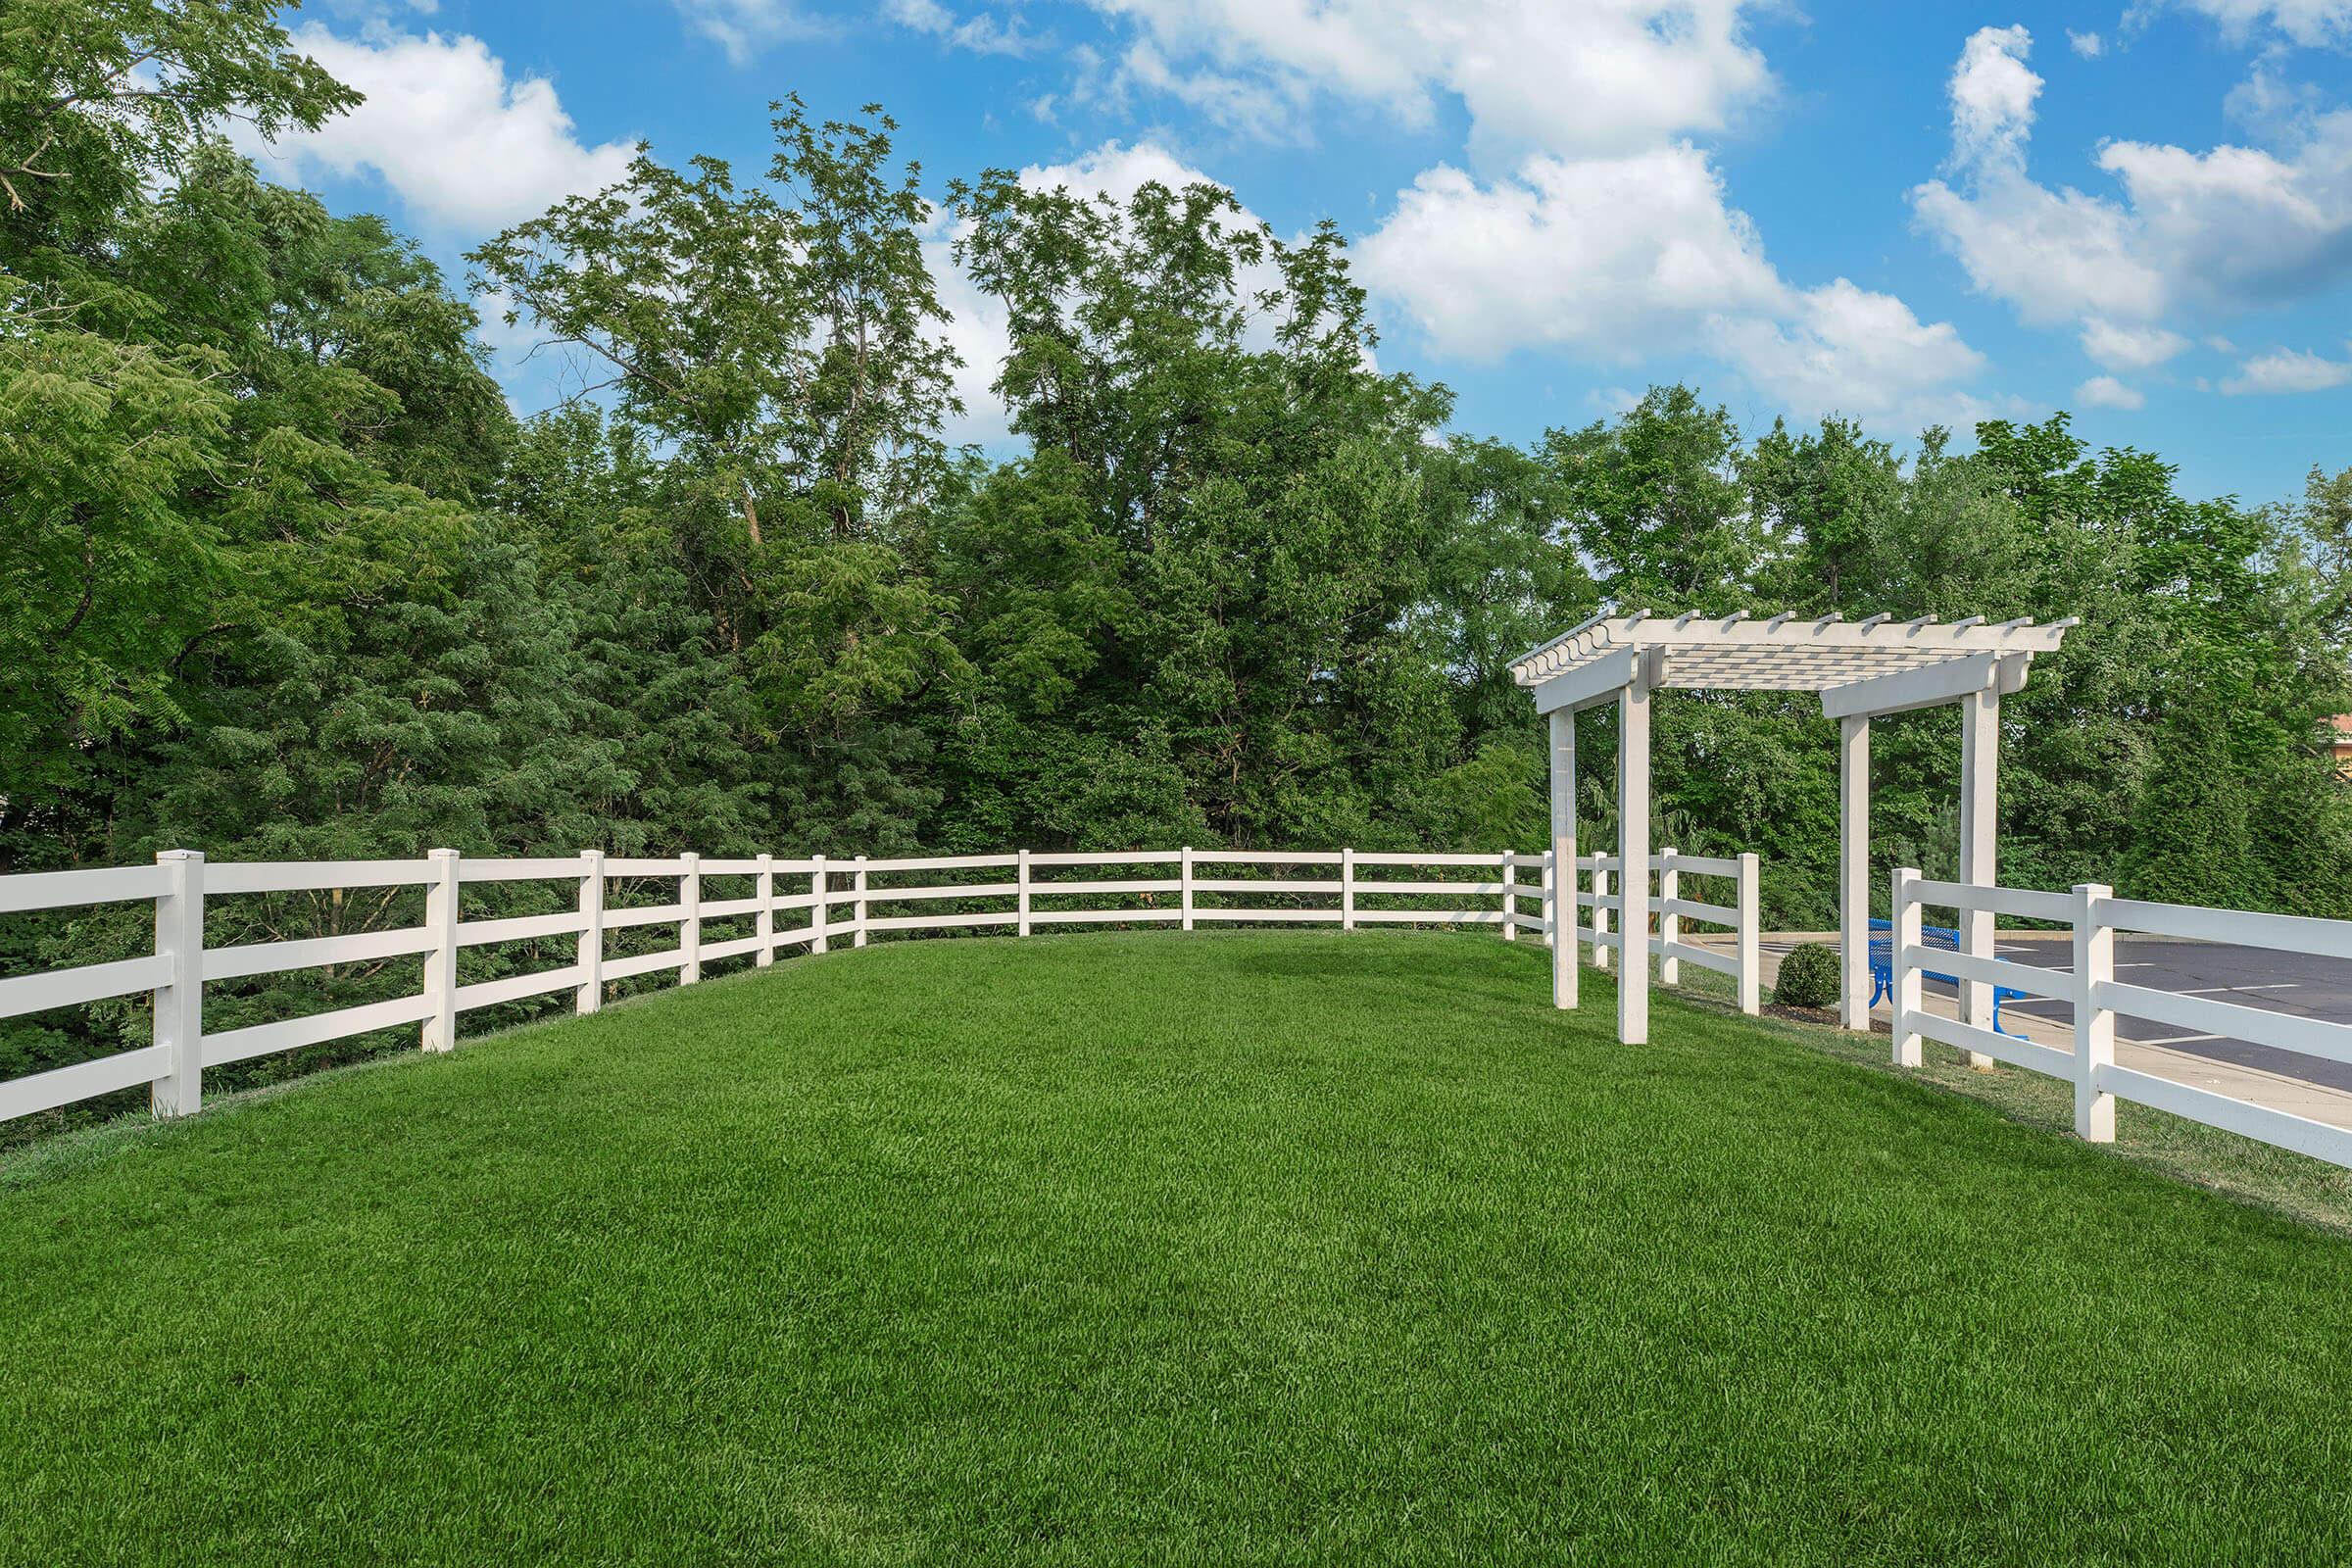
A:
[1786,653]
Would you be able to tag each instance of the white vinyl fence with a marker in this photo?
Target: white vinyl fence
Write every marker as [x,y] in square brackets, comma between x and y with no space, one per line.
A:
[806,904]
[2097,914]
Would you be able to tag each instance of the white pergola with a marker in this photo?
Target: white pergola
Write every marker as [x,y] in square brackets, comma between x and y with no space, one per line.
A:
[1861,668]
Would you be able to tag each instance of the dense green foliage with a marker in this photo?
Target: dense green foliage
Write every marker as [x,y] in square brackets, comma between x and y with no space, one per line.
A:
[1241,1247]
[1808,977]
[281,574]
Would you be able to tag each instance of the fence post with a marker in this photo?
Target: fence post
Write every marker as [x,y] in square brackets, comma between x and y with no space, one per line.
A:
[2094,1025]
[1751,954]
[1184,882]
[819,912]
[441,963]
[591,993]
[179,1001]
[1346,890]
[690,928]
[1510,897]
[1021,893]
[857,909]
[764,890]
[1902,935]
[1670,925]
[1601,915]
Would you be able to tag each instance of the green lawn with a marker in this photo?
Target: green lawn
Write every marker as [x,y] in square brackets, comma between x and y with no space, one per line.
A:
[1106,1248]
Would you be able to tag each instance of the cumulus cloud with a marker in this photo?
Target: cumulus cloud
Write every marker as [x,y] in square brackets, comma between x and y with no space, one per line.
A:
[1608,256]
[2287,370]
[2106,392]
[462,145]
[2309,23]
[1560,75]
[2052,254]
[1620,258]
[2130,348]
[2226,230]
[1992,93]
[2240,226]
[1842,349]
[2090,45]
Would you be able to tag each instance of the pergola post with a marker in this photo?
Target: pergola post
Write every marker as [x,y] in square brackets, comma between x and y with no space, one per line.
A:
[1979,794]
[1854,870]
[1633,852]
[1563,857]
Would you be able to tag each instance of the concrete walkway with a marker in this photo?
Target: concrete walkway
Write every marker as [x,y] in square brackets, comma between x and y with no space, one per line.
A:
[2266,1077]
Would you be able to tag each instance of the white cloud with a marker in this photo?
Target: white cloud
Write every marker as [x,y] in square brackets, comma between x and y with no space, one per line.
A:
[1621,259]
[2090,45]
[981,334]
[2240,226]
[2226,229]
[1841,349]
[982,33]
[2309,23]
[464,147]
[2271,107]
[2130,348]
[1118,170]
[2287,370]
[1558,75]
[2052,254]
[1611,257]
[744,27]
[2106,392]
[1258,105]
[1992,93]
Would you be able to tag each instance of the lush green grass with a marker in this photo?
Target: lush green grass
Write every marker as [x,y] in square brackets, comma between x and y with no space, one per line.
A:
[1131,1249]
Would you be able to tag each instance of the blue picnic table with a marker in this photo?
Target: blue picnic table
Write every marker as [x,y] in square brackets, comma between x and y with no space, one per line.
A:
[1882,968]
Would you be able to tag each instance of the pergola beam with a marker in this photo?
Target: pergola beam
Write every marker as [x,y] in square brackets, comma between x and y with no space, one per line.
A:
[1928,686]
[1590,684]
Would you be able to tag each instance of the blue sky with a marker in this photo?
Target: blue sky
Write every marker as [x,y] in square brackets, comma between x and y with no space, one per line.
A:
[2139,211]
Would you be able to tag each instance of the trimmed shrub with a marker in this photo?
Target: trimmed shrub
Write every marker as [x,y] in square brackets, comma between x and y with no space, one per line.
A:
[1808,977]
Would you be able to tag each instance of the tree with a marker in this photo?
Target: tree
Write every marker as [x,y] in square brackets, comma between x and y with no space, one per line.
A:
[1201,399]
[1655,502]
[776,345]
[100,98]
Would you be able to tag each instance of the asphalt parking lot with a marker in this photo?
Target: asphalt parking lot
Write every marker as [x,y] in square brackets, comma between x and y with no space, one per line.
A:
[2252,977]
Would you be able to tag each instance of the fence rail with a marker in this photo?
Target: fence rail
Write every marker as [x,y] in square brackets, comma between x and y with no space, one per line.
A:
[835,900]
[2091,988]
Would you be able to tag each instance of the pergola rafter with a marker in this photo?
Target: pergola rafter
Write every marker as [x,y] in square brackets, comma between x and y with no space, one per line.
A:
[1861,669]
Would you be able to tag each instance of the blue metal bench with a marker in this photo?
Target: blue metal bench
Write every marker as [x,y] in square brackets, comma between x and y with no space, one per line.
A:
[1882,968]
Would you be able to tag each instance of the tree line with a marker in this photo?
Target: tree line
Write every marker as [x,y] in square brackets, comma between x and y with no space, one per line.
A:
[284,576]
